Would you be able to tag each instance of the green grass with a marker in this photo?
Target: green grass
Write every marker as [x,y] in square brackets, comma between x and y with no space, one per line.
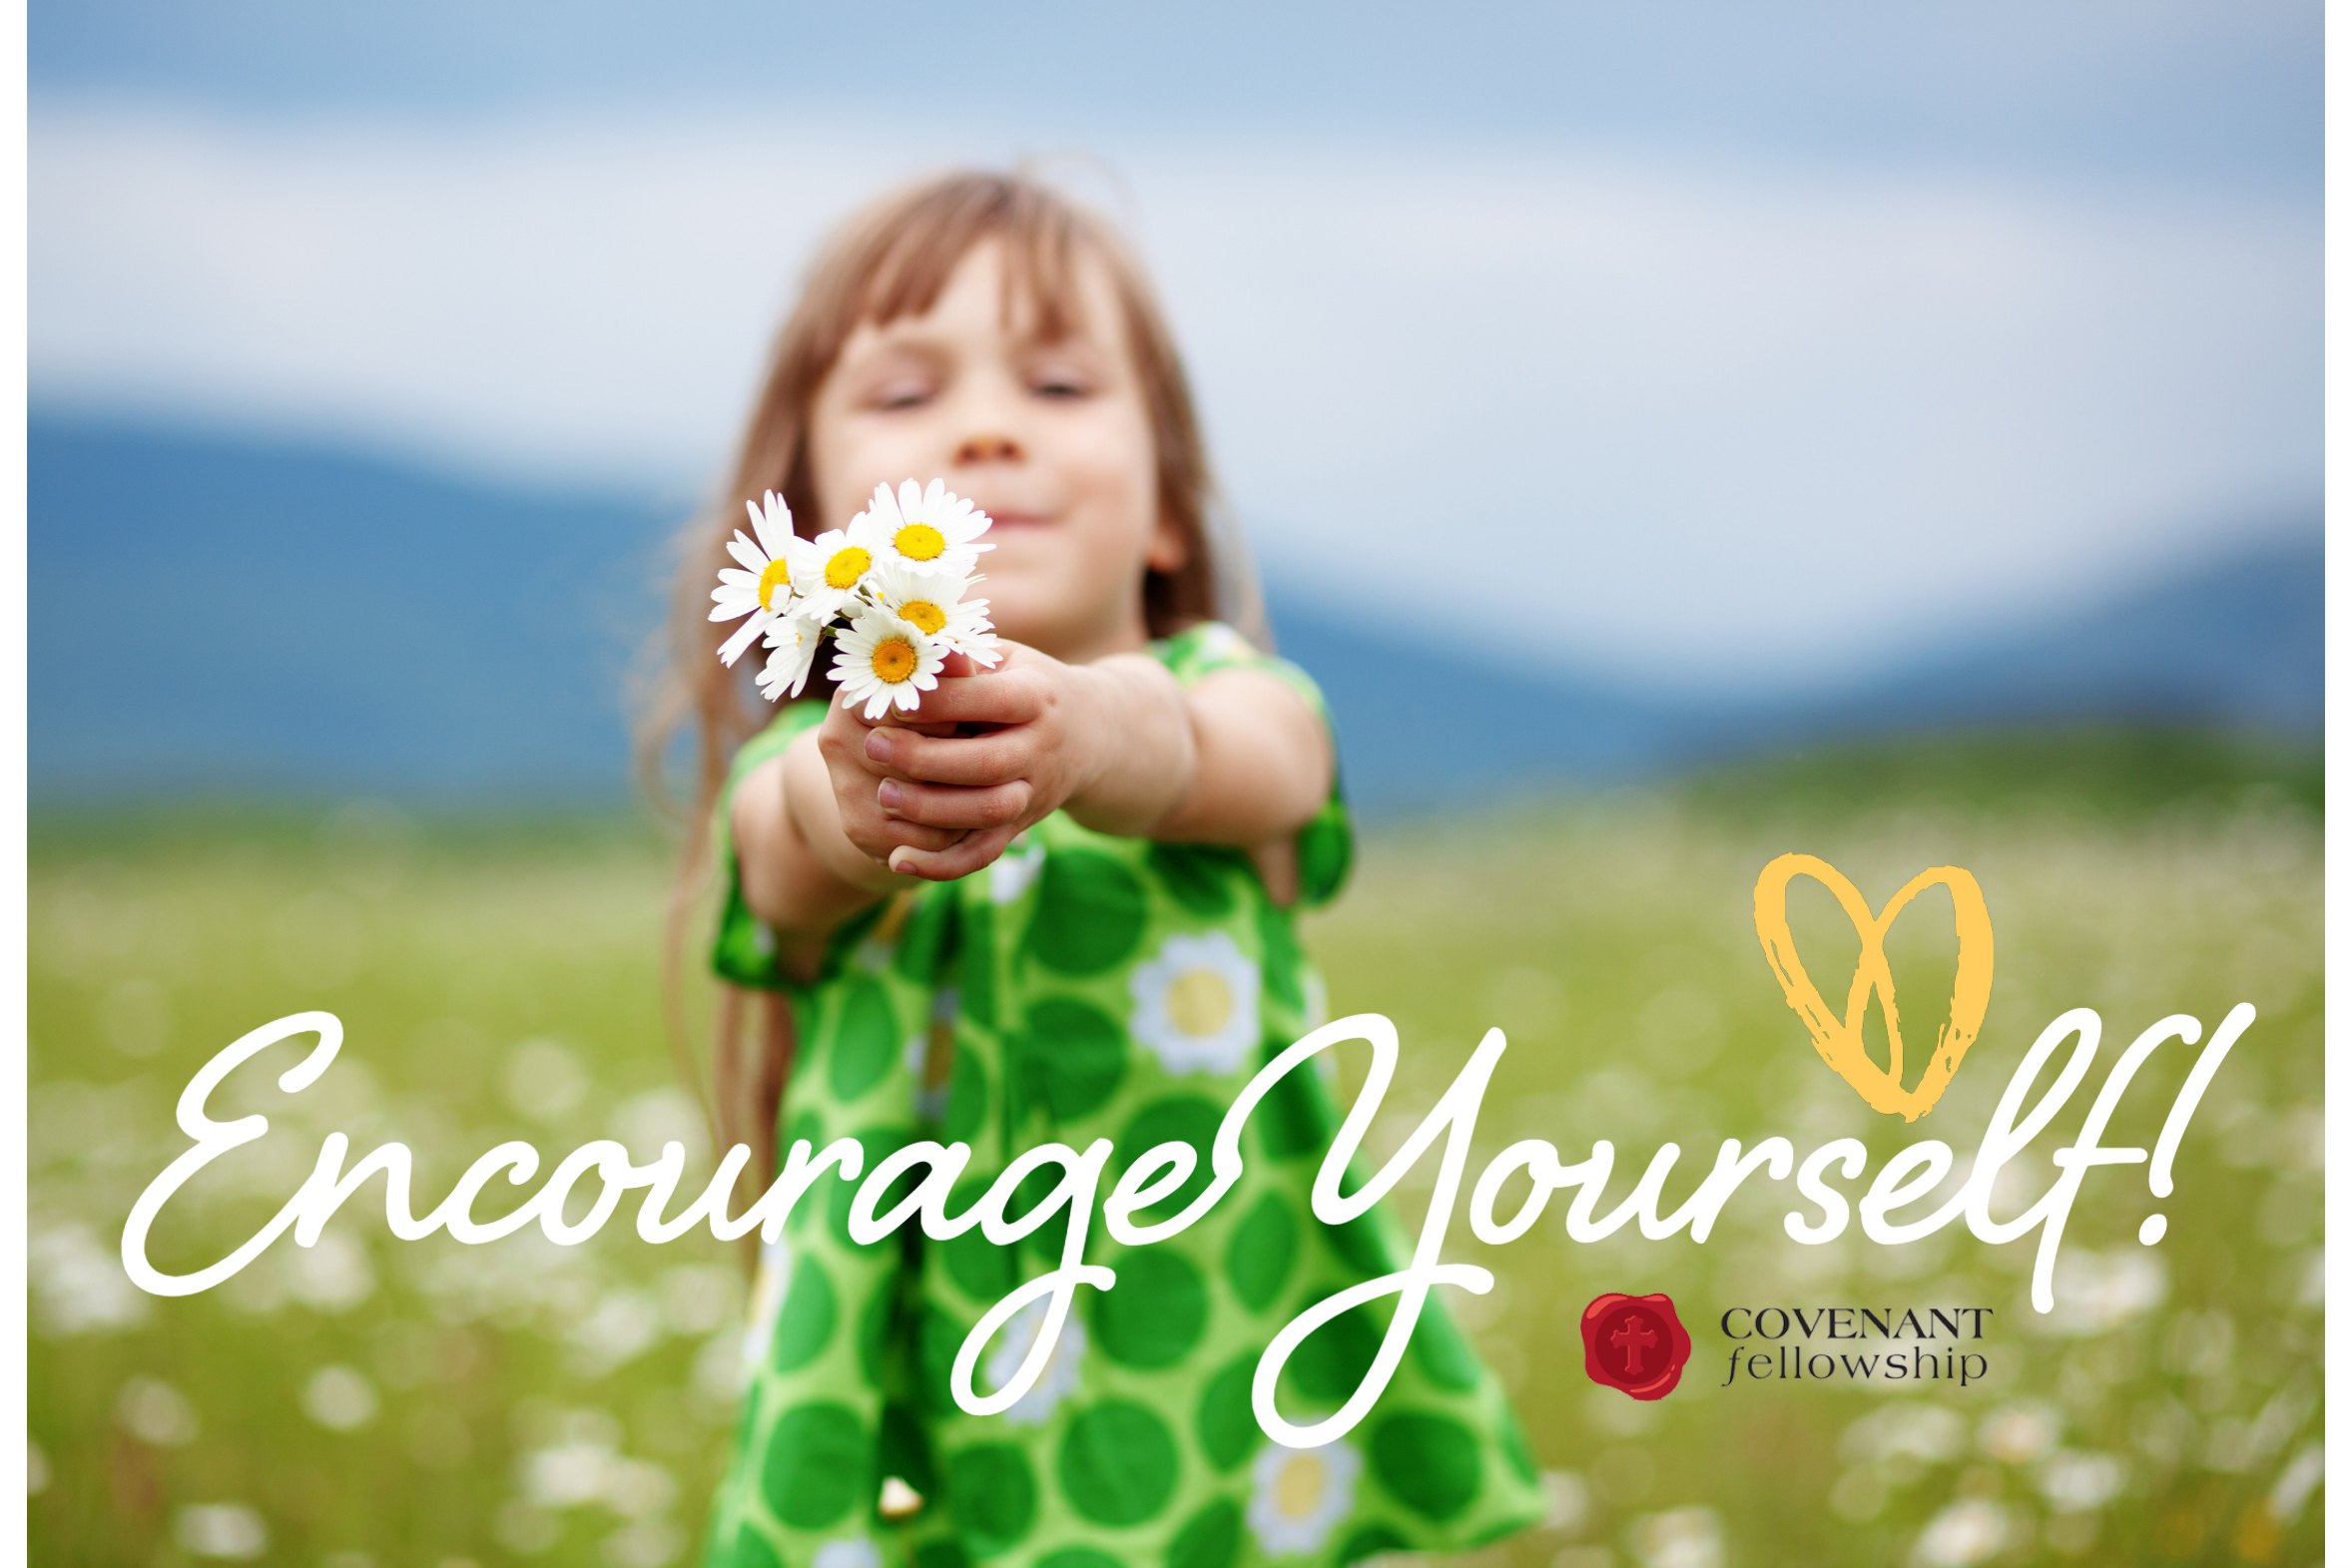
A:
[2103,770]
[503,983]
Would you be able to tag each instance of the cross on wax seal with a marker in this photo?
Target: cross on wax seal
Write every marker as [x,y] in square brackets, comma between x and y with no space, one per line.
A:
[1635,1343]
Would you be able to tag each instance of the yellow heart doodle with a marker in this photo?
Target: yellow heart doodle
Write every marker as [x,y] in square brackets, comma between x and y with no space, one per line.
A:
[1839,1040]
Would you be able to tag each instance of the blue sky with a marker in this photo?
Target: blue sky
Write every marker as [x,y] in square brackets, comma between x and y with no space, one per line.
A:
[1771,341]
[2155,89]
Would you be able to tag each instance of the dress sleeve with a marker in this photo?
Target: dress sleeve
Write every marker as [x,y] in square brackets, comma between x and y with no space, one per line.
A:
[744,949]
[1326,845]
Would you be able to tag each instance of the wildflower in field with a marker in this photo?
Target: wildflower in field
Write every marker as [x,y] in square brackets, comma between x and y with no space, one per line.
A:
[1679,1538]
[2019,1434]
[78,1284]
[157,1413]
[2076,1483]
[339,1398]
[1963,1535]
[221,1530]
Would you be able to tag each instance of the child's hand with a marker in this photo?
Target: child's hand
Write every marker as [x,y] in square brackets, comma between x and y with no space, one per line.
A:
[954,799]
[1239,759]
[840,740]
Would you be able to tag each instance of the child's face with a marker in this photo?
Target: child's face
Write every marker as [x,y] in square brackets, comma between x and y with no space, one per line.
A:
[1050,440]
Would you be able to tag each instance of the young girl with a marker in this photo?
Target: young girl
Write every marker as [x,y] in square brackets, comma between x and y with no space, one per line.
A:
[1054,907]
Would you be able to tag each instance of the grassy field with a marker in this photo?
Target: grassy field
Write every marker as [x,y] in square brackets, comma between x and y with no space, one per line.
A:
[370,1403]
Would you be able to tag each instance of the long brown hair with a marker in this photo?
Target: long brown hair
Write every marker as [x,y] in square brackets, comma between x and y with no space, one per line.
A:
[889,261]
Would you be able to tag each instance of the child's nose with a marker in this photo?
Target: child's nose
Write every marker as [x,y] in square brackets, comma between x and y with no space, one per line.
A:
[988,449]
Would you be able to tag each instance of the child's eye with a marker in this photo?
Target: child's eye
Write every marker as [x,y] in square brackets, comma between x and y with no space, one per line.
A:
[1062,386]
[900,395]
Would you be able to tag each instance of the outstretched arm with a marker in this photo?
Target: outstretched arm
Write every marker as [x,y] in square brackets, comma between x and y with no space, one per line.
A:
[1238,759]
[799,872]
[812,843]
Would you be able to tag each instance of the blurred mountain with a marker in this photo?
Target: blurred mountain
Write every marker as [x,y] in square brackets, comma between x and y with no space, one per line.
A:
[214,617]
[2233,644]
[2237,641]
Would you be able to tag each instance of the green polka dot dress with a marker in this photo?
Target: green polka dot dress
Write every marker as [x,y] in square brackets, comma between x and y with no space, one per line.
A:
[1085,987]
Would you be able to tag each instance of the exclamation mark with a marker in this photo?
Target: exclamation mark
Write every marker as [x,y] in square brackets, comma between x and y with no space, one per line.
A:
[2159,1168]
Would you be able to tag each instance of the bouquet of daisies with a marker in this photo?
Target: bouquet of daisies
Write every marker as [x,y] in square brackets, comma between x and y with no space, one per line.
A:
[888,591]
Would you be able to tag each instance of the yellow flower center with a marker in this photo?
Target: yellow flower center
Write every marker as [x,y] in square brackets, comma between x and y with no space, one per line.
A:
[1299,1488]
[920,541]
[846,566]
[1199,1002]
[894,660]
[923,613]
[772,578]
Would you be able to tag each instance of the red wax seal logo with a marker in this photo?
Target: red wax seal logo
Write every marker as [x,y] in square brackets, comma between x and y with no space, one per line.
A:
[1637,1344]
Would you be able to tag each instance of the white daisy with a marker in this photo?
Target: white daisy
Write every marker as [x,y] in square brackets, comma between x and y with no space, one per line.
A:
[1056,1383]
[1196,1003]
[761,588]
[1298,1496]
[826,570]
[881,660]
[933,602]
[792,650]
[930,528]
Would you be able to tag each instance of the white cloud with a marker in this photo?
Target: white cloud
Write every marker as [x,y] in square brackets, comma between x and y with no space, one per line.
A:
[1745,422]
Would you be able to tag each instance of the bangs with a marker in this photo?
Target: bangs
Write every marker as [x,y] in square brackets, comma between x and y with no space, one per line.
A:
[911,248]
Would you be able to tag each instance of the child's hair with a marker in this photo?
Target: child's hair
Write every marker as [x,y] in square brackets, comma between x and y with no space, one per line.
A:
[889,261]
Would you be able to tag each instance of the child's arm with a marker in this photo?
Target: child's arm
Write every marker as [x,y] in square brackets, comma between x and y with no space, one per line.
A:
[799,874]
[1237,758]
